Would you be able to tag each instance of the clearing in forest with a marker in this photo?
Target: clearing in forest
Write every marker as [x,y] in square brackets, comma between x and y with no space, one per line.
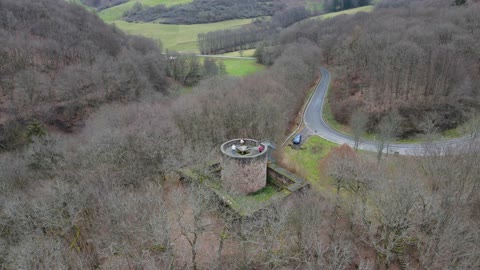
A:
[347,11]
[177,37]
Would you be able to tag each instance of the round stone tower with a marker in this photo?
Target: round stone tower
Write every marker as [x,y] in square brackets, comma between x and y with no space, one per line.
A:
[244,166]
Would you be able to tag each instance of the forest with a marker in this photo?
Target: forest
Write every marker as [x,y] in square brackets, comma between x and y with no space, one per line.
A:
[419,60]
[204,11]
[247,37]
[107,194]
[56,78]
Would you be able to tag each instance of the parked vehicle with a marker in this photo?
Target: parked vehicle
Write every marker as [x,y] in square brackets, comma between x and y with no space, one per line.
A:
[297,139]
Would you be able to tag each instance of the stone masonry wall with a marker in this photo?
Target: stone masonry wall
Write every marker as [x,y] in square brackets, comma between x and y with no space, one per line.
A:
[244,175]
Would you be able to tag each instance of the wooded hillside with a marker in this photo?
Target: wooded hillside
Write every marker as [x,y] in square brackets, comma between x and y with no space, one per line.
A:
[103,4]
[419,58]
[58,61]
[109,196]
[205,11]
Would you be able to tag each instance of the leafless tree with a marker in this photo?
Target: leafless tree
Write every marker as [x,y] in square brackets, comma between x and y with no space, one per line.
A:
[358,123]
[192,208]
[472,127]
[397,200]
[388,129]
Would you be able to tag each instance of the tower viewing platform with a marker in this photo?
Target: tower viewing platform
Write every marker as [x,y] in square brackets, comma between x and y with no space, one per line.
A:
[244,166]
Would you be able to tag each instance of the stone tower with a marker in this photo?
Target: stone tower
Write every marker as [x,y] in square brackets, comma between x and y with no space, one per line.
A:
[244,167]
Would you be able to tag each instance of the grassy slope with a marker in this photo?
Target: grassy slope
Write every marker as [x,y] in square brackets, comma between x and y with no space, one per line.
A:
[240,67]
[177,37]
[307,160]
[246,53]
[313,5]
[116,12]
[348,11]
[78,2]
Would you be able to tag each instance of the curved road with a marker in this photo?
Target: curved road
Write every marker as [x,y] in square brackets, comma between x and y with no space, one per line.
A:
[315,125]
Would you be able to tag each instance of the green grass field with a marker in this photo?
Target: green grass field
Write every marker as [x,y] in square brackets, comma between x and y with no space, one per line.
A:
[177,37]
[245,53]
[307,160]
[240,67]
[348,11]
[78,2]
[116,12]
[313,5]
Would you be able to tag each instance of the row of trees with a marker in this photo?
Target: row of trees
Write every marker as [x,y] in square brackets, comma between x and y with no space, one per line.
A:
[248,37]
[189,69]
[338,5]
[222,41]
[290,16]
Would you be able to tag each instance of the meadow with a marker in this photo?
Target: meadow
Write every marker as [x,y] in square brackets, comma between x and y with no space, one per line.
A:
[176,37]
[240,67]
[244,53]
[306,160]
[343,12]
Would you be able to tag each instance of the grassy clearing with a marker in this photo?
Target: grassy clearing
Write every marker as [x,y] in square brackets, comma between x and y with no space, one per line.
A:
[348,11]
[307,160]
[246,205]
[313,5]
[263,194]
[245,53]
[239,67]
[242,67]
[116,12]
[177,37]
[78,2]
[186,90]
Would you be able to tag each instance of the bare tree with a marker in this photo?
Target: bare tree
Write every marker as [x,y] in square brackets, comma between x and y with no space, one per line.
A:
[472,127]
[358,123]
[200,201]
[388,129]
[341,166]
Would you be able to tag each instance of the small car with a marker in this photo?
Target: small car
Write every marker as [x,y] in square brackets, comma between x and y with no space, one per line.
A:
[297,139]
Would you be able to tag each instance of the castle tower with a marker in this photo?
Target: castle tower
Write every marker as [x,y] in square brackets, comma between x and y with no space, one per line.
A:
[244,166]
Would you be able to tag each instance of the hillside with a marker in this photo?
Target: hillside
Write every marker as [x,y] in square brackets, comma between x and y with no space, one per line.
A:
[58,61]
[417,59]
[116,12]
[102,4]
[204,11]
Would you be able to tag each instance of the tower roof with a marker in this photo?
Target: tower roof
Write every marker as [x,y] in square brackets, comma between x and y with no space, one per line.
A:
[243,148]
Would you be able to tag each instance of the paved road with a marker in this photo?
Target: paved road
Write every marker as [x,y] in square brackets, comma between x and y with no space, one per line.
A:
[315,125]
